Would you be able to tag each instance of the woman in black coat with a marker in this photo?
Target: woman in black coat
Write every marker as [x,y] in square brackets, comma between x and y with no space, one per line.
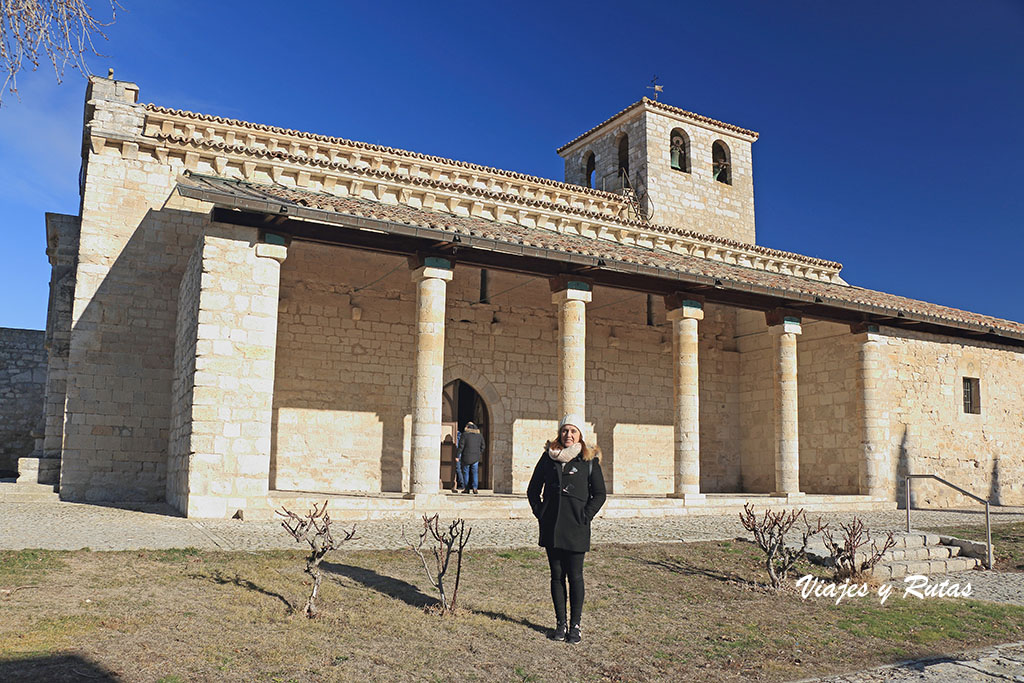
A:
[565,493]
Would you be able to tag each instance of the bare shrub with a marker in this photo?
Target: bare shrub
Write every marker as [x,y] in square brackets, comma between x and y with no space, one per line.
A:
[849,561]
[315,529]
[443,544]
[770,532]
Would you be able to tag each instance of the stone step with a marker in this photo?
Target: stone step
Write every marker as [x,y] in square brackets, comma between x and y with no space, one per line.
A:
[914,553]
[898,570]
[930,552]
[27,493]
[820,555]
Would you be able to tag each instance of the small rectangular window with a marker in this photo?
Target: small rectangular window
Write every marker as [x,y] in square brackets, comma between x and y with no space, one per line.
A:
[972,395]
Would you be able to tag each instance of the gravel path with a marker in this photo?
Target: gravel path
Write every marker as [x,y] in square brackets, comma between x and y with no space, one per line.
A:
[999,663]
[70,526]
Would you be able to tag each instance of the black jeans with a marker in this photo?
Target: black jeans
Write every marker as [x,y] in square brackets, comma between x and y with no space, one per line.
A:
[564,565]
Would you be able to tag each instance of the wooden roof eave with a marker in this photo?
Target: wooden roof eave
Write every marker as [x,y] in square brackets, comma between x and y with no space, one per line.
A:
[321,225]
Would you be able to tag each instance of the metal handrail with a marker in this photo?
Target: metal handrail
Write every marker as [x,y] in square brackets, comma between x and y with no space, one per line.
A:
[983,501]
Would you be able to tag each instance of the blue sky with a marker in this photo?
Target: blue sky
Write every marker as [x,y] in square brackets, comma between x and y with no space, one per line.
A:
[891,132]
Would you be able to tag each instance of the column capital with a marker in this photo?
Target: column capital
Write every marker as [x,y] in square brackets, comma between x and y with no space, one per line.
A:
[571,282]
[431,266]
[278,252]
[783,320]
[862,327]
[681,298]
[682,305]
[427,273]
[571,295]
[427,267]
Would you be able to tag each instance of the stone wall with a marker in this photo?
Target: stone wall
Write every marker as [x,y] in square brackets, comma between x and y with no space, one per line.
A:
[691,200]
[179,449]
[62,237]
[344,368]
[829,420]
[223,395]
[922,391]
[136,237]
[605,148]
[757,435]
[22,387]
[695,200]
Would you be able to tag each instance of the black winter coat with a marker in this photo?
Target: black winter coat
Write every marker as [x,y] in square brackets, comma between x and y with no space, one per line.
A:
[564,500]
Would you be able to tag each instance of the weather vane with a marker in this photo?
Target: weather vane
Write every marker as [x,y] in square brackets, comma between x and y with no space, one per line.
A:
[655,87]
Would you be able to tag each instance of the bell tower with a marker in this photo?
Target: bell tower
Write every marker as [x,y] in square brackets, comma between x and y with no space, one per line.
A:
[687,171]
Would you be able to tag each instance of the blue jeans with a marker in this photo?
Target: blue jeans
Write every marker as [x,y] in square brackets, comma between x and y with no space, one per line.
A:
[469,475]
[458,474]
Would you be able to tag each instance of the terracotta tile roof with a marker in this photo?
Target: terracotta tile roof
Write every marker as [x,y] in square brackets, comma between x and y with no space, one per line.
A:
[268,198]
[569,187]
[285,154]
[672,110]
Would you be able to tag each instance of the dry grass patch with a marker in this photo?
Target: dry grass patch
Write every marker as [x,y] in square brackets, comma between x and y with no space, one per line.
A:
[654,612]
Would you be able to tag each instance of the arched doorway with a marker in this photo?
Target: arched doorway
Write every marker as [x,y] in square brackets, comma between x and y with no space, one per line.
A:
[461,404]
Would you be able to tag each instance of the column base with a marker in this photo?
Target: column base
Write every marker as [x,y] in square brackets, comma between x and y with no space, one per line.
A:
[689,498]
[794,496]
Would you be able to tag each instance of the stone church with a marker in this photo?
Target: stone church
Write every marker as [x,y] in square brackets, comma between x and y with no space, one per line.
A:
[243,316]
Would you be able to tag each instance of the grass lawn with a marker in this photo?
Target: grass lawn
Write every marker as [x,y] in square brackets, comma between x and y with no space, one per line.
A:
[1007,540]
[654,612]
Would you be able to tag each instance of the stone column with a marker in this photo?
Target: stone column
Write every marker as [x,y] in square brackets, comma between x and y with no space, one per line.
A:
[875,477]
[784,330]
[431,280]
[684,312]
[572,297]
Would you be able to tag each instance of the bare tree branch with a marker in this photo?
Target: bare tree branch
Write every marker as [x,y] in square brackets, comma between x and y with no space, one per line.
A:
[847,557]
[770,536]
[58,31]
[445,543]
[315,529]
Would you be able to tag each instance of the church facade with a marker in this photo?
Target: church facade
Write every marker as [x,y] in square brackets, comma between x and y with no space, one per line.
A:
[242,312]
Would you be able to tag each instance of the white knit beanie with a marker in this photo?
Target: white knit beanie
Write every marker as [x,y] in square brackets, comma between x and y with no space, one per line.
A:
[576,421]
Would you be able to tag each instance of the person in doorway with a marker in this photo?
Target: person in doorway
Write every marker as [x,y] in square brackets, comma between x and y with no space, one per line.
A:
[458,468]
[469,454]
[565,493]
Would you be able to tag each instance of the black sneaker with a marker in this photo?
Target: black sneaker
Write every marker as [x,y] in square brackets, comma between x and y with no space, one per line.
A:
[559,632]
[575,635]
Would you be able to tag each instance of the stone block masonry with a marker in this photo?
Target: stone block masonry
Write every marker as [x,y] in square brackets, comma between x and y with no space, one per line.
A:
[224,386]
[925,426]
[190,361]
[135,239]
[22,387]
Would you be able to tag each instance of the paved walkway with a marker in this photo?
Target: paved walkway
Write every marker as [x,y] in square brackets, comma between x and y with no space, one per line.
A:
[70,526]
[999,663]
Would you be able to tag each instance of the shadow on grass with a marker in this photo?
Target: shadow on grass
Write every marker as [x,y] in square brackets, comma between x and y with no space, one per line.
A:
[236,580]
[392,587]
[678,566]
[513,620]
[54,669]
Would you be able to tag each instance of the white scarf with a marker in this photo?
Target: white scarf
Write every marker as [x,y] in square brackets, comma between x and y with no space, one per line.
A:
[564,455]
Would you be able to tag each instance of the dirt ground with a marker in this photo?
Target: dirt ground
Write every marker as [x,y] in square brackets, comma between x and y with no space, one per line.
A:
[653,612]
